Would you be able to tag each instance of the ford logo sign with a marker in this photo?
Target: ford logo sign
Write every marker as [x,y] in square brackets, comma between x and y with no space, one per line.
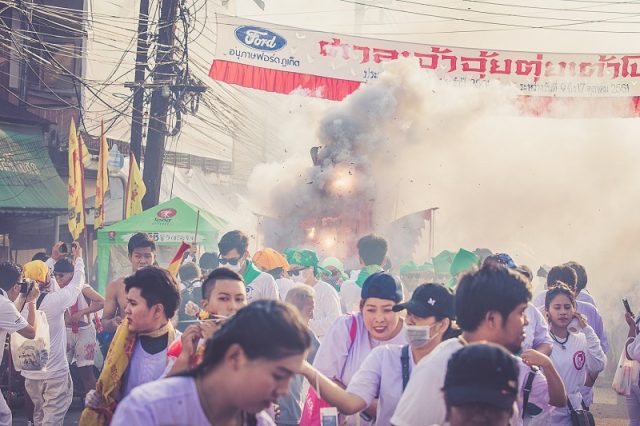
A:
[260,38]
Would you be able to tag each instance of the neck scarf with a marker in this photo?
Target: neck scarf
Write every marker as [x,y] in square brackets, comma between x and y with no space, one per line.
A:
[365,272]
[115,365]
[250,273]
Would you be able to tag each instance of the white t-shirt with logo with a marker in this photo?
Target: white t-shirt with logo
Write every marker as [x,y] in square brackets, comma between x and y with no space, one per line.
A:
[582,354]
[262,287]
[168,402]
[10,319]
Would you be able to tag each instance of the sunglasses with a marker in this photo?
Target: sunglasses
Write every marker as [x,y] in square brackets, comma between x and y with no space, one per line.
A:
[58,274]
[233,262]
[296,272]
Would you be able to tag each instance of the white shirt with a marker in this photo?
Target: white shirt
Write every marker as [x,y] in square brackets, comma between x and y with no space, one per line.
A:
[381,376]
[539,395]
[350,295]
[262,287]
[423,400]
[53,305]
[536,331]
[326,310]
[143,368]
[284,285]
[585,296]
[10,319]
[582,354]
[168,402]
[338,358]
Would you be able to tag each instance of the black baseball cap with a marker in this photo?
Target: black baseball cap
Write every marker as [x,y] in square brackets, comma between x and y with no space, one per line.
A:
[430,300]
[482,373]
[382,286]
[63,265]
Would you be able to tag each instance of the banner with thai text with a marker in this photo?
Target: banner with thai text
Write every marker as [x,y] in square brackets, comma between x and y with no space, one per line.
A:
[285,59]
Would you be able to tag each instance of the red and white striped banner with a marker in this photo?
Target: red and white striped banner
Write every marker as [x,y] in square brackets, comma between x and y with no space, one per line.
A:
[284,59]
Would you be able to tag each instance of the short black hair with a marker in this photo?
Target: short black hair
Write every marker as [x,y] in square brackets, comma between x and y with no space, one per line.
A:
[40,256]
[491,288]
[140,240]
[209,260]
[10,274]
[563,273]
[233,240]
[581,273]
[156,285]
[189,271]
[215,275]
[372,249]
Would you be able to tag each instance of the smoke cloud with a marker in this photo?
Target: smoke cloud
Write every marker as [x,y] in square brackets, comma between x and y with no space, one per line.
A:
[544,190]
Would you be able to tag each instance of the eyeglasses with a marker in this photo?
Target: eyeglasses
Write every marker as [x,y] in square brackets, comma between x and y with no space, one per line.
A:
[233,261]
[296,272]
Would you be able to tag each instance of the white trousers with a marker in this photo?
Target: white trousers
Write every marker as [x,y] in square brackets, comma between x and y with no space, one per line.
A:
[51,399]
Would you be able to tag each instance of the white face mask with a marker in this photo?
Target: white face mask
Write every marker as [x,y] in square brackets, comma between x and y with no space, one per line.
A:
[418,335]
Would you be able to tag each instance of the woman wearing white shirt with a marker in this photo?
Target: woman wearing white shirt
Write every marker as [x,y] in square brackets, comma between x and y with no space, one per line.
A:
[576,352]
[387,368]
[247,366]
[352,337]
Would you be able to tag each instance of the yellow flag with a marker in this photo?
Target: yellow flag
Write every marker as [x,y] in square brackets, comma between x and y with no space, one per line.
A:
[102,183]
[75,201]
[135,189]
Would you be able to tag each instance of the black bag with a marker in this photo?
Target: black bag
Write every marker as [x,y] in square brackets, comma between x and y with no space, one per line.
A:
[582,416]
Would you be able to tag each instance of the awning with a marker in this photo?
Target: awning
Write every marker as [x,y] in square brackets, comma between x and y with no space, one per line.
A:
[29,182]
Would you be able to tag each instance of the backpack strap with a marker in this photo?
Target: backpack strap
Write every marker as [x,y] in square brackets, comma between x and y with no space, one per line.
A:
[40,299]
[527,391]
[404,360]
[353,330]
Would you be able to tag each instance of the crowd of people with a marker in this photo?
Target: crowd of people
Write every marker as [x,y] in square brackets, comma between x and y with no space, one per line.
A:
[280,337]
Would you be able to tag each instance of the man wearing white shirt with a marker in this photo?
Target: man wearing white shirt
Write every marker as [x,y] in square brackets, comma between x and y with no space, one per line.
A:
[10,319]
[51,390]
[304,269]
[490,306]
[234,255]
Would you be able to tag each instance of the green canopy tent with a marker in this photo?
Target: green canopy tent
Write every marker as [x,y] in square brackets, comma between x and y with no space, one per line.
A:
[169,224]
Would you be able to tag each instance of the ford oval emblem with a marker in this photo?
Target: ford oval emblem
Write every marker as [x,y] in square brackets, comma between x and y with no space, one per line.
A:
[260,38]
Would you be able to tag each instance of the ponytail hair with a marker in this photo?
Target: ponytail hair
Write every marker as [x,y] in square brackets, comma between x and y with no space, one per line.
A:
[452,331]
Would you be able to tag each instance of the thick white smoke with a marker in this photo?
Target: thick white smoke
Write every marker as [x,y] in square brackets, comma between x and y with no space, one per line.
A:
[544,190]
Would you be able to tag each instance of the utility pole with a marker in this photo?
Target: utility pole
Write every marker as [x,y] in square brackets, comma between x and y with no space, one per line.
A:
[138,86]
[160,102]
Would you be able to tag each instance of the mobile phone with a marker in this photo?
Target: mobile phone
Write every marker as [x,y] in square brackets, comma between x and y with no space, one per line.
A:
[625,302]
[63,248]
[329,416]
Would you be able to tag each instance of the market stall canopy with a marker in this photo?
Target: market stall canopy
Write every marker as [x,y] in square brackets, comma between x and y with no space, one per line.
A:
[169,224]
[29,182]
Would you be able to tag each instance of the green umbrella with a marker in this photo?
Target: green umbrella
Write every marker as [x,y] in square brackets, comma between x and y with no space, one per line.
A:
[442,262]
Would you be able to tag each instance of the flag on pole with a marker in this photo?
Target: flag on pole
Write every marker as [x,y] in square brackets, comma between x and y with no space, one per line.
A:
[75,201]
[135,189]
[102,183]
[177,259]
